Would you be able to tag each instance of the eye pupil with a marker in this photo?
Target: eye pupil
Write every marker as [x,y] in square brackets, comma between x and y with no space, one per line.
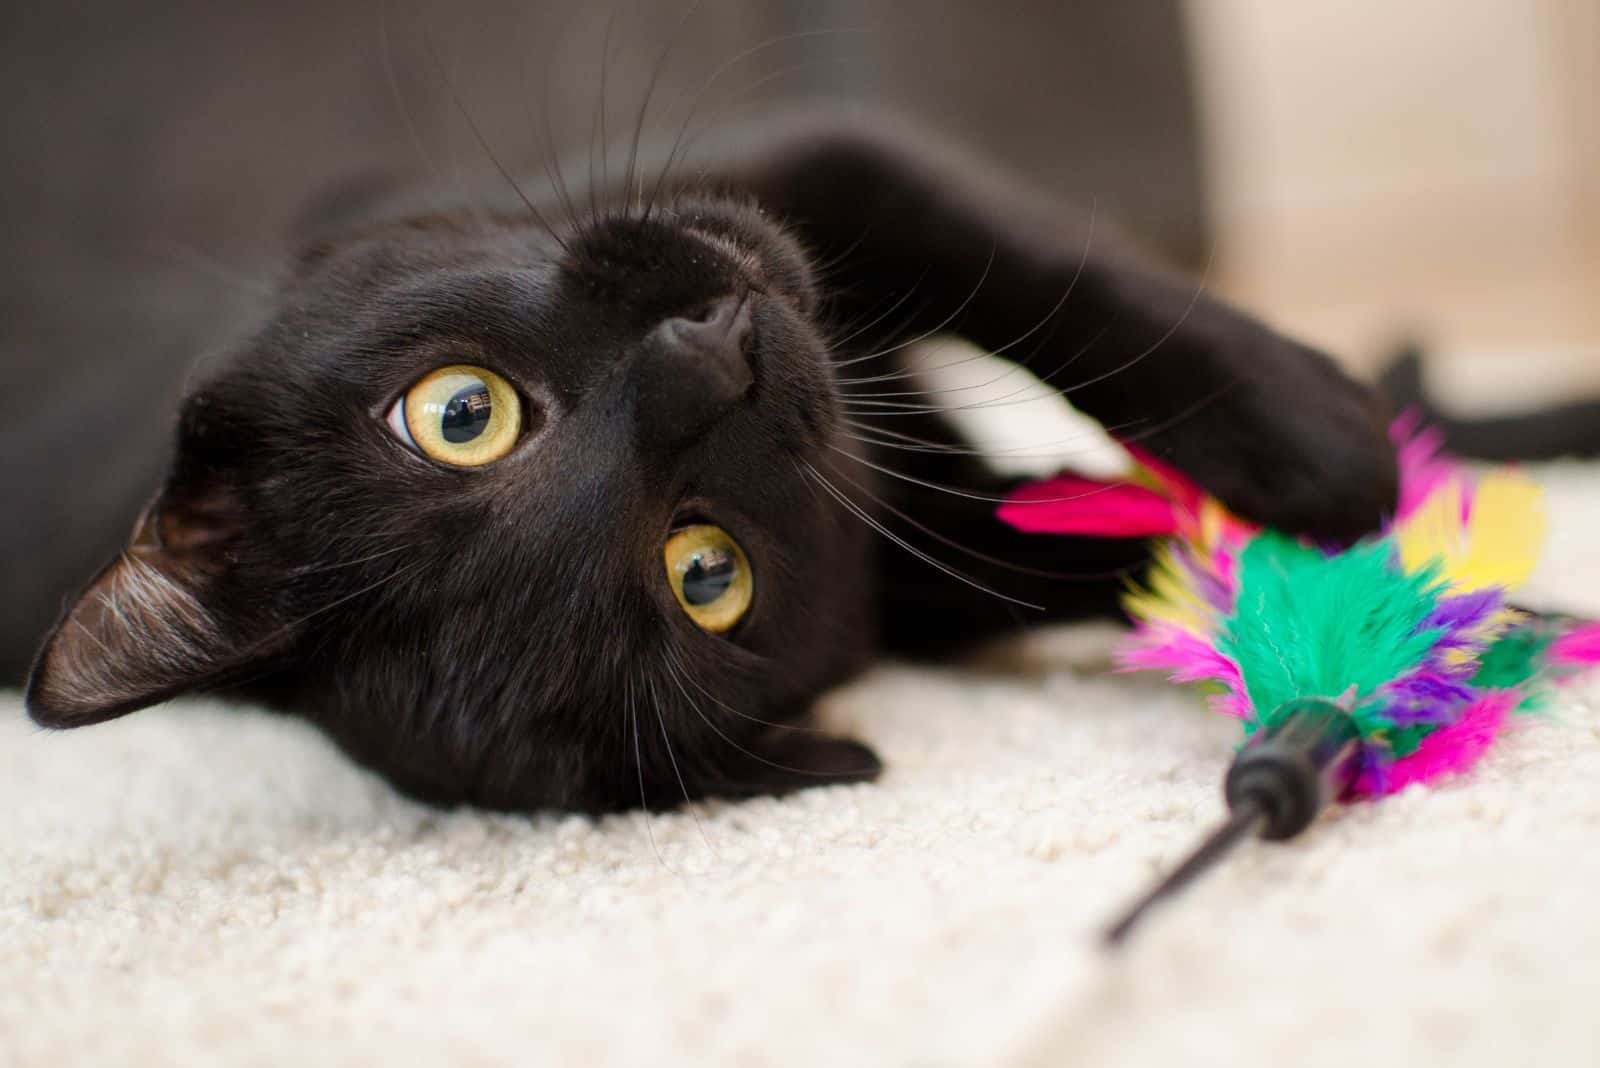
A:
[466,415]
[708,576]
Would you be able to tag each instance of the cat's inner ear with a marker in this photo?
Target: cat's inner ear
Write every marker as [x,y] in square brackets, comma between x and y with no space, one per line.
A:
[167,615]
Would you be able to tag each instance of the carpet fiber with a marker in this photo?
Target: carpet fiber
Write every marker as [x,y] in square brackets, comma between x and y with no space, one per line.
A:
[208,885]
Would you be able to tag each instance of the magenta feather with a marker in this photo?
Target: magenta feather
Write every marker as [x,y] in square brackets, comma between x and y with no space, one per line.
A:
[1450,750]
[1579,647]
[1068,504]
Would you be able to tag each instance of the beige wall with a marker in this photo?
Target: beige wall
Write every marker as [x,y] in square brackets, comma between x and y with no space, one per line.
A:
[1384,166]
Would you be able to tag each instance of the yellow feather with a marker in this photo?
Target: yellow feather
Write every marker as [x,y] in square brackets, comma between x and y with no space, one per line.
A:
[1500,543]
[1169,599]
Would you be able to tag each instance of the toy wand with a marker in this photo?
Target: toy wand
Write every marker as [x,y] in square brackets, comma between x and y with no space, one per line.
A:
[1278,784]
[1355,672]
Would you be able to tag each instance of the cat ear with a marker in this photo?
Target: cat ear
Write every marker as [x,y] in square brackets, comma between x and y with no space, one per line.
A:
[352,202]
[165,616]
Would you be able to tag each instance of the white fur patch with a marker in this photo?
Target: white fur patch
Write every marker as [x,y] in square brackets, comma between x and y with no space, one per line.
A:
[1024,426]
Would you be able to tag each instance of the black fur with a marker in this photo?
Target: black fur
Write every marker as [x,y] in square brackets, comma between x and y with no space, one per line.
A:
[1559,432]
[505,635]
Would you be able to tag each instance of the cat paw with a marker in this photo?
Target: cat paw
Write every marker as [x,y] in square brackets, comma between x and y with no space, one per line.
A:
[1294,444]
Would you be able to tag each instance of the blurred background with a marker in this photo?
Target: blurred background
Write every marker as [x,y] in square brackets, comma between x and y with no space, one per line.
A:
[1362,173]
[1425,167]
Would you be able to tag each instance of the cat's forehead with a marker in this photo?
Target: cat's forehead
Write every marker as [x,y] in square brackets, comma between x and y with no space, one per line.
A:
[463,268]
[399,253]
[688,230]
[371,310]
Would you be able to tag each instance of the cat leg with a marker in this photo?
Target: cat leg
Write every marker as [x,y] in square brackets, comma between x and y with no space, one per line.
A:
[1270,426]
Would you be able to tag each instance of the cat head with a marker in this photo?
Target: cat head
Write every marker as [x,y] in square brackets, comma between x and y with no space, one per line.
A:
[517,515]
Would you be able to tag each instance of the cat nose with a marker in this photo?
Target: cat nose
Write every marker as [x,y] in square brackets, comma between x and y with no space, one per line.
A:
[719,332]
[694,368]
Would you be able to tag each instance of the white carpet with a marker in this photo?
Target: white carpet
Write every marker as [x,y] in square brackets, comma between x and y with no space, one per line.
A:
[197,885]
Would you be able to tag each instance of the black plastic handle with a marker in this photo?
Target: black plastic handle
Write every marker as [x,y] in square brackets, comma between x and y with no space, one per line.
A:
[1285,775]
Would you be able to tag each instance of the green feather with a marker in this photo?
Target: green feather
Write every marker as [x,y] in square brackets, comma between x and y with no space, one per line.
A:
[1310,625]
[1514,659]
[1512,662]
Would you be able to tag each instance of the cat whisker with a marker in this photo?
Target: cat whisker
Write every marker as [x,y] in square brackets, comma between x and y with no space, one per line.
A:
[898,407]
[644,105]
[677,659]
[267,641]
[1014,366]
[886,401]
[1194,301]
[483,144]
[878,404]
[678,682]
[905,322]
[678,143]
[655,700]
[1116,431]
[743,98]
[324,569]
[956,491]
[428,161]
[839,343]
[1060,576]
[638,766]
[603,112]
[208,264]
[1183,416]
[892,407]
[394,576]
[1083,259]
[883,437]
[934,562]
[946,321]
[550,159]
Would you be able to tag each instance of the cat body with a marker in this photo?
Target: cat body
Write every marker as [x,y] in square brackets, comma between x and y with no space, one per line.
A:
[696,391]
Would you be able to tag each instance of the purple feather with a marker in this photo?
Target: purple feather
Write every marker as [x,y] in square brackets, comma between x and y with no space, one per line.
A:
[1427,696]
[1465,611]
[1460,620]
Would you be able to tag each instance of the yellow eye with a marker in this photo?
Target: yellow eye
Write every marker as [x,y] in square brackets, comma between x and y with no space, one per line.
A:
[710,576]
[460,415]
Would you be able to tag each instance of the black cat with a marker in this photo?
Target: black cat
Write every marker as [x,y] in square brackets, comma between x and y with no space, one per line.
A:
[539,506]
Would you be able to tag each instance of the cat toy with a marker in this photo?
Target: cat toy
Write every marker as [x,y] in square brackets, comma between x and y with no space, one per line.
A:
[1354,672]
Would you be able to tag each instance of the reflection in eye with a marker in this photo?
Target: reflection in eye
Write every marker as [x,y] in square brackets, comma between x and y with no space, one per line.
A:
[460,415]
[710,576]
[466,415]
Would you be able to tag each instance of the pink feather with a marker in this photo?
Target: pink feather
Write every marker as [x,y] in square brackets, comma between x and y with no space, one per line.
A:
[1187,657]
[1578,648]
[1447,751]
[1425,468]
[1068,504]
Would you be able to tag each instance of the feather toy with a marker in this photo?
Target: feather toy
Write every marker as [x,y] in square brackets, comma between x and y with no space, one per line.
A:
[1354,672]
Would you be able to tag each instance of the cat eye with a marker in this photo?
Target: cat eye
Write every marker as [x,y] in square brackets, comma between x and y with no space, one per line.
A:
[710,576]
[460,415]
